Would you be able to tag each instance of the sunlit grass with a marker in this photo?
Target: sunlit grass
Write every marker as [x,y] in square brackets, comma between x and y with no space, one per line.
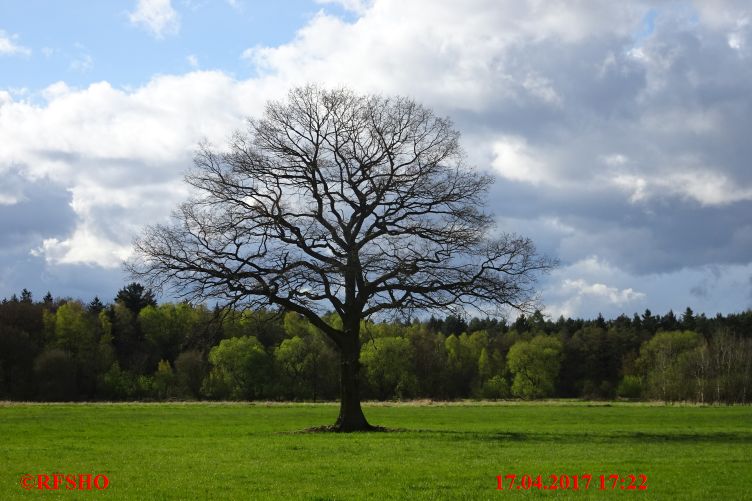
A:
[454,451]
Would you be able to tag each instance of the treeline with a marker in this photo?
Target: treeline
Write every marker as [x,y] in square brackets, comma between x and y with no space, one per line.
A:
[132,348]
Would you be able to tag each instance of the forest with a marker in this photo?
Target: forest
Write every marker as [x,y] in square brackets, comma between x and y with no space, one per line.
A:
[62,349]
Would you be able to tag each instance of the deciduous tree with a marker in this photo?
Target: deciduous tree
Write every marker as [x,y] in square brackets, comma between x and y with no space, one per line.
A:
[535,365]
[335,201]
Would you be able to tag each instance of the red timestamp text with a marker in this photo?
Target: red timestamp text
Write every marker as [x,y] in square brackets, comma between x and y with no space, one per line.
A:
[614,481]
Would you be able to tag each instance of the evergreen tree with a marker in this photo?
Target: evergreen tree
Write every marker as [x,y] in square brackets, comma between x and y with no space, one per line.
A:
[95,306]
[688,319]
[135,297]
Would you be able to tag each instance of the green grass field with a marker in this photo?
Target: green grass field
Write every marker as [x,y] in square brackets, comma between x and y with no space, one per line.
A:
[242,451]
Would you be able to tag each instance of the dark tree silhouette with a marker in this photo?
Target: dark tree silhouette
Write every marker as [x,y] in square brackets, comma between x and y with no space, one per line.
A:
[95,306]
[339,201]
[135,297]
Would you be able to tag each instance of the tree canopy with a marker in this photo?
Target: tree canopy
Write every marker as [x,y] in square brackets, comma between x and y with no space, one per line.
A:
[62,350]
[335,201]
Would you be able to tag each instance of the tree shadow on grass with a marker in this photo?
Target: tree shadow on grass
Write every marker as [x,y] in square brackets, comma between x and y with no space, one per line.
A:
[334,429]
[559,437]
[642,437]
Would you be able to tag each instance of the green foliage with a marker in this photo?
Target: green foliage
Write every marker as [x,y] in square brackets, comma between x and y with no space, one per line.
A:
[261,324]
[386,368]
[240,367]
[73,329]
[728,363]
[485,370]
[296,359]
[118,384]
[295,362]
[76,334]
[630,387]
[17,352]
[106,352]
[462,355]
[166,326]
[495,388]
[190,371]
[55,372]
[164,383]
[296,325]
[666,364]
[429,362]
[535,365]
[127,339]
[106,348]
[308,367]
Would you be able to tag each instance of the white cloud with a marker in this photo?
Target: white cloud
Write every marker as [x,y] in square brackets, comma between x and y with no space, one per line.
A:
[192,60]
[156,16]
[84,246]
[607,142]
[615,159]
[707,187]
[592,286]
[516,161]
[541,88]
[6,199]
[611,294]
[724,14]
[419,48]
[588,286]
[584,297]
[121,154]
[8,45]
[634,185]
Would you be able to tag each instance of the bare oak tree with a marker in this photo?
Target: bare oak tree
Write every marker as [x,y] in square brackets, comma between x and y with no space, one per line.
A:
[359,204]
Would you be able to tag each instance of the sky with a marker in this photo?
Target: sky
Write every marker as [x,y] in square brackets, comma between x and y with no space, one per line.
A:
[617,132]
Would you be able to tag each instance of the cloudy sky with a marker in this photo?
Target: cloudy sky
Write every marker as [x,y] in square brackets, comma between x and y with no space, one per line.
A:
[619,131]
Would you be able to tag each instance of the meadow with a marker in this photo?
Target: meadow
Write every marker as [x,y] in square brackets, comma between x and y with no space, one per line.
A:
[438,451]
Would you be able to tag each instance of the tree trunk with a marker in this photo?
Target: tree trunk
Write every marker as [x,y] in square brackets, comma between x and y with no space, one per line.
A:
[351,417]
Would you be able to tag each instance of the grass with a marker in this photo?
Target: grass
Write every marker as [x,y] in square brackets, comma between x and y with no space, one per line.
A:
[245,451]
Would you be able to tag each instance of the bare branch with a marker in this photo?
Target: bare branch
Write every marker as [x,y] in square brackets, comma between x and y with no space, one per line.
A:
[337,201]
